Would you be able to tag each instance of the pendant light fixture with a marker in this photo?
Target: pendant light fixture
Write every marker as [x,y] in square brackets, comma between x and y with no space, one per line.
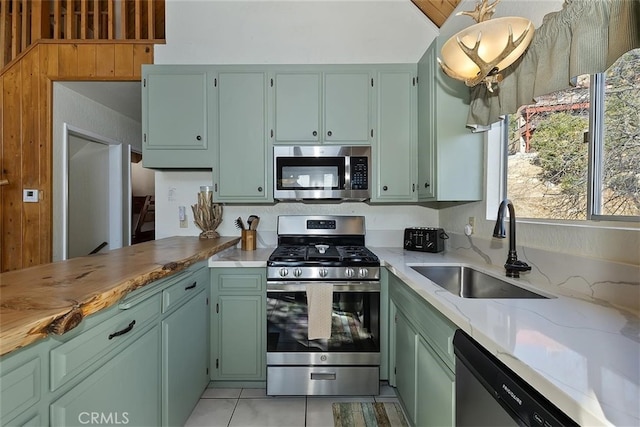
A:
[480,52]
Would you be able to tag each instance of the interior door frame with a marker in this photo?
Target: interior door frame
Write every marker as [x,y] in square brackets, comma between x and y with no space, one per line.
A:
[119,189]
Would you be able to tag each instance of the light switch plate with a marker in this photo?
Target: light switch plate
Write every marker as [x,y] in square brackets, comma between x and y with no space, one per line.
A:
[30,196]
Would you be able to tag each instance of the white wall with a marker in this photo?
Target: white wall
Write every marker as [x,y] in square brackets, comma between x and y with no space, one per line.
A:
[385,224]
[83,113]
[289,32]
[281,32]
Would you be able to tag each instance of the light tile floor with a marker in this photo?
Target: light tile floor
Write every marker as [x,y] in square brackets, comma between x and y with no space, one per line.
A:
[234,407]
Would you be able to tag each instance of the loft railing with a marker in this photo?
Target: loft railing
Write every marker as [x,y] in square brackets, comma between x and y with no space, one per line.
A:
[24,22]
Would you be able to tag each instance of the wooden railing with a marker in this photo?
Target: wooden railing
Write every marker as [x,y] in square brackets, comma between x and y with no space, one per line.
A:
[23,22]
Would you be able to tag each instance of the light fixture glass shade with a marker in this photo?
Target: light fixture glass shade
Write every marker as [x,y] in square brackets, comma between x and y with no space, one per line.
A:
[495,38]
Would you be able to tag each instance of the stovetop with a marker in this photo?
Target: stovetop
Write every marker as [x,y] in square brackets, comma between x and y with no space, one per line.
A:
[322,254]
[322,248]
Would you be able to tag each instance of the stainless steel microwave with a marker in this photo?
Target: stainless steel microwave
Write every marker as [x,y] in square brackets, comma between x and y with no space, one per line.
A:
[322,172]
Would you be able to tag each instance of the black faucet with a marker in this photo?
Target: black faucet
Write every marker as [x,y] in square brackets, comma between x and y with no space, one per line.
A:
[512,266]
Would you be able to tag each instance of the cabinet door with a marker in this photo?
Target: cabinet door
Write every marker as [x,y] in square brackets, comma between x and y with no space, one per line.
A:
[435,389]
[426,125]
[126,390]
[396,142]
[297,108]
[347,102]
[405,339]
[185,345]
[242,157]
[240,347]
[175,115]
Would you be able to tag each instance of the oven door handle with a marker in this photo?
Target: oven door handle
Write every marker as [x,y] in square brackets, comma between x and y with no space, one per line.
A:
[337,286]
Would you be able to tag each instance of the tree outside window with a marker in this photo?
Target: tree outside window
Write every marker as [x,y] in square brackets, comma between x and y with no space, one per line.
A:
[552,147]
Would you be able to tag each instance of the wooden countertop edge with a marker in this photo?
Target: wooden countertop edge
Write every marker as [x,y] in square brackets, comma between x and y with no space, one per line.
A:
[15,337]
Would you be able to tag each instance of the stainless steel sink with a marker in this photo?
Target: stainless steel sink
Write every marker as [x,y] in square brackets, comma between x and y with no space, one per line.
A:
[467,282]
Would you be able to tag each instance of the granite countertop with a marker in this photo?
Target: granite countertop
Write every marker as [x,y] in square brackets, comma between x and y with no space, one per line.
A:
[582,354]
[53,298]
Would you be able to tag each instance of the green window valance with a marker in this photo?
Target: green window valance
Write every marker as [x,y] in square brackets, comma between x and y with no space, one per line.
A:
[585,37]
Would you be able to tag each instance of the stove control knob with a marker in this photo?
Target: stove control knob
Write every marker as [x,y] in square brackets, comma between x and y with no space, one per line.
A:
[297,272]
[349,272]
[283,272]
[323,272]
[363,272]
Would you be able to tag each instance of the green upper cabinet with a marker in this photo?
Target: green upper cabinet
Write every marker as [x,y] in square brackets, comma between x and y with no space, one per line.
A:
[450,156]
[394,157]
[347,106]
[426,126]
[176,111]
[297,107]
[330,105]
[242,167]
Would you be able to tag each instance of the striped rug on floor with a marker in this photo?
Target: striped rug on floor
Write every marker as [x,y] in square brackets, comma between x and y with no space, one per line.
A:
[368,414]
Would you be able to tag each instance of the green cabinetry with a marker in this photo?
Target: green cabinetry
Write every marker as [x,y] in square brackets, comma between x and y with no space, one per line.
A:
[395,154]
[421,350]
[143,361]
[238,325]
[329,104]
[177,105]
[450,157]
[242,165]
[125,390]
[185,346]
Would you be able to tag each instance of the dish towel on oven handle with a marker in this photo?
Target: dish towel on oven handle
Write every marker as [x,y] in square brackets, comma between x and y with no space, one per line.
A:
[319,303]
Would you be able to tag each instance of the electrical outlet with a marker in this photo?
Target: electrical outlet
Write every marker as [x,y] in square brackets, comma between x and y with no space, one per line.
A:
[469,228]
[182,217]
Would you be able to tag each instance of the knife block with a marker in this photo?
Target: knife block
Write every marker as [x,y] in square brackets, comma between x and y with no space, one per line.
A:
[248,240]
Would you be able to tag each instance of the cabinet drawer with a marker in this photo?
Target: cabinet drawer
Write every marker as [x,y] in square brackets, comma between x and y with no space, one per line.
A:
[181,291]
[71,358]
[239,282]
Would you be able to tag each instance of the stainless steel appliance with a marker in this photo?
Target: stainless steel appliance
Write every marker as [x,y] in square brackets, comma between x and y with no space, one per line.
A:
[490,394]
[322,172]
[424,239]
[314,251]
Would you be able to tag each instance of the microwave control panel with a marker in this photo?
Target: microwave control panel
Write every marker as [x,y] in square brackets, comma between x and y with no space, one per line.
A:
[359,173]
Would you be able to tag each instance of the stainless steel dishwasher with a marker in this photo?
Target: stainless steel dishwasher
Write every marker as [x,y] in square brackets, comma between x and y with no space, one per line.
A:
[490,394]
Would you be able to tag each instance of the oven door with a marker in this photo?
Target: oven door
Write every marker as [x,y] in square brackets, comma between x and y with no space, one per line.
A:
[355,328]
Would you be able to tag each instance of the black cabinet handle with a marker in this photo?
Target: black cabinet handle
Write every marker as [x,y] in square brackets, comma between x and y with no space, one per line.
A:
[123,331]
[260,189]
[315,133]
[413,188]
[385,188]
[199,138]
[427,185]
[329,133]
[190,286]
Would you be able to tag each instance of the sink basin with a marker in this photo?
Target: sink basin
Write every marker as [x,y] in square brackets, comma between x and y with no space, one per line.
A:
[467,282]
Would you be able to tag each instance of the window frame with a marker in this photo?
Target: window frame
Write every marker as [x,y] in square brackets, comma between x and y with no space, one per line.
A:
[594,162]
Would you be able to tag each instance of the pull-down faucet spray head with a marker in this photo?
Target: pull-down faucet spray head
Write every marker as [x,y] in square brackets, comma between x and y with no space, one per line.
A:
[513,267]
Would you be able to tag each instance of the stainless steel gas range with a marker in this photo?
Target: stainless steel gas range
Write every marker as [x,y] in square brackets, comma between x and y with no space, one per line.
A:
[323,284]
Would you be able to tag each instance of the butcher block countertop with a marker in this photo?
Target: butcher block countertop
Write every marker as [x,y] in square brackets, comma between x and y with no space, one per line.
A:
[53,298]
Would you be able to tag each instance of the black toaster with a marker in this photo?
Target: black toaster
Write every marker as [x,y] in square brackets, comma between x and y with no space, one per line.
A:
[424,239]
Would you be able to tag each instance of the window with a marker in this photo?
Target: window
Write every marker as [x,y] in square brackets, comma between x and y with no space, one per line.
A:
[575,154]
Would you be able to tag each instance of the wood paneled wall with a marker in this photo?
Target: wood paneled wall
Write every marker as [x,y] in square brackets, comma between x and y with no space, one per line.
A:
[26,94]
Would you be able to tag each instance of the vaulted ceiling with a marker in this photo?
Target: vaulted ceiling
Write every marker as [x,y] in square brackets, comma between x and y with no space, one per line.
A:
[437,10]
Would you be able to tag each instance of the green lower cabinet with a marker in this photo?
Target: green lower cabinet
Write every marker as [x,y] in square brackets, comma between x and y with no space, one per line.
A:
[126,390]
[420,352]
[23,387]
[238,325]
[435,391]
[185,343]
[406,365]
